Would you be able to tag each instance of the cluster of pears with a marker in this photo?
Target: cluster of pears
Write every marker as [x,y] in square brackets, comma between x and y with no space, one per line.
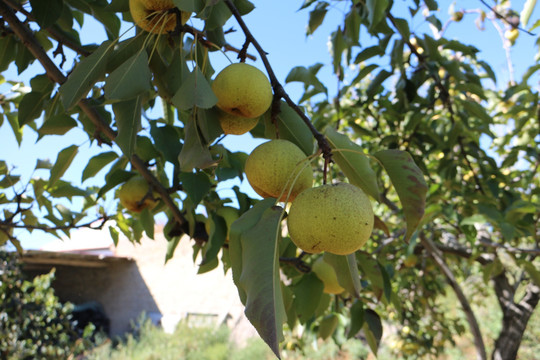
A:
[244,93]
[336,218]
[156,16]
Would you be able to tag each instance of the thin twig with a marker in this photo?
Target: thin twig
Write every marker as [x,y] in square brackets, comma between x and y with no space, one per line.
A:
[276,85]
[28,39]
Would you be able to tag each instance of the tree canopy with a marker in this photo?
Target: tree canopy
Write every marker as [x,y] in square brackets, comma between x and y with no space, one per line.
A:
[448,155]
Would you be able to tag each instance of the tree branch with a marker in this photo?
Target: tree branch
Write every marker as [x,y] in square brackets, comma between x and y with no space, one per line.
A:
[450,278]
[28,39]
[276,85]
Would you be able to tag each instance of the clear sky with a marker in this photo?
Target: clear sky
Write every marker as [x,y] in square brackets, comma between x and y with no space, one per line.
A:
[280,29]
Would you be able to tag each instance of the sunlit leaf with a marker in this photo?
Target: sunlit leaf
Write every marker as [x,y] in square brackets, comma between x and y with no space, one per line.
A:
[353,162]
[62,163]
[254,249]
[130,79]
[408,180]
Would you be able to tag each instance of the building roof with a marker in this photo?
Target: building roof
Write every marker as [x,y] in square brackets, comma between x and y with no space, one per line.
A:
[34,259]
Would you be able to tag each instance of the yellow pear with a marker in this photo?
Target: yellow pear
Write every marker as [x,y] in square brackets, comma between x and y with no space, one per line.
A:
[236,125]
[337,218]
[155,15]
[278,167]
[326,273]
[132,193]
[242,90]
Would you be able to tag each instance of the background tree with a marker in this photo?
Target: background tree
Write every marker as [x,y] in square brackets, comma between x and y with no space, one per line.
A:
[413,124]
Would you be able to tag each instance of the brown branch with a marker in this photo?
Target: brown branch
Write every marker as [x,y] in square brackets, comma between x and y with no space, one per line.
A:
[276,85]
[28,39]
[102,219]
[451,279]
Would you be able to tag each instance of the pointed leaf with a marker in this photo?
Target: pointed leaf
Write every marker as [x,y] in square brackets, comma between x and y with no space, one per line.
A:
[89,71]
[357,318]
[57,125]
[46,13]
[194,153]
[96,163]
[409,183]
[346,270]
[253,243]
[190,5]
[196,185]
[128,121]
[64,159]
[130,79]
[373,329]
[30,107]
[353,162]
[376,11]
[194,92]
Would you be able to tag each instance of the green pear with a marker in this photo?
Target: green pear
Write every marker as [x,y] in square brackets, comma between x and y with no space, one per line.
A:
[242,90]
[132,193]
[337,218]
[278,167]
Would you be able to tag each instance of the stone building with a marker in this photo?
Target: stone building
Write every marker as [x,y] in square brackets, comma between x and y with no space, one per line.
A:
[130,279]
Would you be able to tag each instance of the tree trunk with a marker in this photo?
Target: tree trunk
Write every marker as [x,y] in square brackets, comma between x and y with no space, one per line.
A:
[515,316]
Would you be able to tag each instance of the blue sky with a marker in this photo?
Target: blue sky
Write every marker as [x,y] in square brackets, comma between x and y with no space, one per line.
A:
[280,29]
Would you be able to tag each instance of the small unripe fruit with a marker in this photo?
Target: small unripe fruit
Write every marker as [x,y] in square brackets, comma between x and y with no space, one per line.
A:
[278,167]
[132,193]
[337,218]
[242,90]
[512,35]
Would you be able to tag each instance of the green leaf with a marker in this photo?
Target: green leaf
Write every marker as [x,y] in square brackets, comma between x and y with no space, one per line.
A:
[254,250]
[408,180]
[128,121]
[14,122]
[89,71]
[346,270]
[67,190]
[30,107]
[62,163]
[316,17]
[130,79]
[307,293]
[352,161]
[57,125]
[376,11]
[216,238]
[147,221]
[195,185]
[526,12]
[375,85]
[194,92]
[190,5]
[328,326]
[194,153]
[372,272]
[96,163]
[357,318]
[290,127]
[373,329]
[167,141]
[46,13]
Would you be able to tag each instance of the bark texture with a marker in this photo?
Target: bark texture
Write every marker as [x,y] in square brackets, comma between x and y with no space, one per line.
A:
[516,315]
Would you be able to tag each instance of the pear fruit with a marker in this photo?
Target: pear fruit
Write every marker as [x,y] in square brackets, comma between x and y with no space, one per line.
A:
[337,218]
[155,16]
[242,90]
[277,167]
[326,273]
[132,193]
[236,125]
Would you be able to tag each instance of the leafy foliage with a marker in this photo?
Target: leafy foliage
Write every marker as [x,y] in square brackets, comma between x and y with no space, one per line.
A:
[33,323]
[449,156]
